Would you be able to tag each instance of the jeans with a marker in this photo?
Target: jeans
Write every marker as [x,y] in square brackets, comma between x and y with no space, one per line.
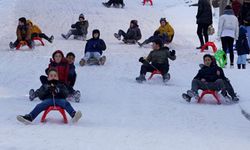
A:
[227,44]
[41,35]
[198,84]
[248,33]
[88,55]
[49,102]
[242,59]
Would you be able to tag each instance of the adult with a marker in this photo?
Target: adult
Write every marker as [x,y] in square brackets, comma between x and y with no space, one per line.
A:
[115,3]
[245,17]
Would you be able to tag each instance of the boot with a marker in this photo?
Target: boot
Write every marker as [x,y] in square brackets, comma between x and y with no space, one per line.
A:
[235,99]
[51,39]
[67,35]
[106,4]
[186,97]
[192,94]
[11,45]
[76,116]
[239,66]
[27,119]
[166,77]
[82,62]
[243,66]
[141,78]
[117,36]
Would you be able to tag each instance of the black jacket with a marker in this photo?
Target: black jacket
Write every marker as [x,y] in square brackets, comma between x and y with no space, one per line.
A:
[45,91]
[242,46]
[204,13]
[81,27]
[244,17]
[210,73]
[133,33]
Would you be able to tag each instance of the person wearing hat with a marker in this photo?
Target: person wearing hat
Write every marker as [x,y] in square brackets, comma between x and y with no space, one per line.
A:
[166,31]
[37,32]
[94,48]
[156,60]
[132,35]
[79,29]
[23,33]
[228,31]
[115,3]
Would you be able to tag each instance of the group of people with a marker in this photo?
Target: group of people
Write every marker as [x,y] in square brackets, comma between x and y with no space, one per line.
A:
[234,26]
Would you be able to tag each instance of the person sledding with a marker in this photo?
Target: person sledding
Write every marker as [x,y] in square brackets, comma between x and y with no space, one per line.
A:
[79,29]
[156,60]
[132,35]
[54,93]
[115,3]
[165,32]
[60,63]
[23,33]
[210,77]
[93,50]
[37,32]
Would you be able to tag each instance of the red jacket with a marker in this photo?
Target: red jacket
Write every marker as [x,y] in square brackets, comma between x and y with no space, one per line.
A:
[236,5]
[62,69]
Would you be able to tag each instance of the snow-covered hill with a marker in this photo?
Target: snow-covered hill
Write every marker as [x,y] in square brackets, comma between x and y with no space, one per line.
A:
[118,113]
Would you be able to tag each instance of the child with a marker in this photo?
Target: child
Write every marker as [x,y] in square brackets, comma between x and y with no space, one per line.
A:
[159,61]
[166,31]
[73,94]
[58,62]
[54,94]
[94,48]
[36,32]
[242,48]
[79,29]
[23,33]
[133,33]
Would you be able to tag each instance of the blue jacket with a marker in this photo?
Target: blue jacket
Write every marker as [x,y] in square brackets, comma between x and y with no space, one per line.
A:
[242,46]
[95,45]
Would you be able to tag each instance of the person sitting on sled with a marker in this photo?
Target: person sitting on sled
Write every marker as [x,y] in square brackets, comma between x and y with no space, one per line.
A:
[156,60]
[115,3]
[133,33]
[79,29]
[93,49]
[37,32]
[23,33]
[54,93]
[210,77]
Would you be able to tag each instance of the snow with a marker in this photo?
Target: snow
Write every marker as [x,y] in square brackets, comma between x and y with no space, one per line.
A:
[118,113]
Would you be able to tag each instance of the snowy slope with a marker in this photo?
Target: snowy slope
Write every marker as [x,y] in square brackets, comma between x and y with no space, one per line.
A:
[118,113]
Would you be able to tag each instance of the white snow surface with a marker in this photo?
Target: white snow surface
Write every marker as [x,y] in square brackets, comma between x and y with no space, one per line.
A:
[118,113]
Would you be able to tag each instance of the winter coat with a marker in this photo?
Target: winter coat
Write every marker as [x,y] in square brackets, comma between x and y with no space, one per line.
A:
[34,28]
[210,73]
[242,46]
[133,33]
[245,14]
[81,27]
[236,5]
[62,69]
[44,92]
[72,74]
[204,13]
[228,25]
[167,29]
[95,45]
[160,56]
[23,32]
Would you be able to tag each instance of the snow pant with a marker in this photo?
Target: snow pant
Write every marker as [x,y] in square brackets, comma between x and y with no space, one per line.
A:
[199,85]
[229,88]
[72,78]
[89,55]
[41,35]
[125,35]
[115,2]
[29,42]
[50,102]
[75,32]
[164,39]
[227,45]
[202,31]
[146,67]
[248,33]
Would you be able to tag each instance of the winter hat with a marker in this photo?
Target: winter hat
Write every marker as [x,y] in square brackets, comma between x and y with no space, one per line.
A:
[134,22]
[228,7]
[242,31]
[57,51]
[163,19]
[96,31]
[81,16]
[22,19]
[158,41]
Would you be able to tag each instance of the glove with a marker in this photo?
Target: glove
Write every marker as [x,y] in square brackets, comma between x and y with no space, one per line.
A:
[172,53]
[141,59]
[54,89]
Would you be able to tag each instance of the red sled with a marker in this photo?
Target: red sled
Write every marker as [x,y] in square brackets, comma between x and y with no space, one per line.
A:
[57,108]
[150,1]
